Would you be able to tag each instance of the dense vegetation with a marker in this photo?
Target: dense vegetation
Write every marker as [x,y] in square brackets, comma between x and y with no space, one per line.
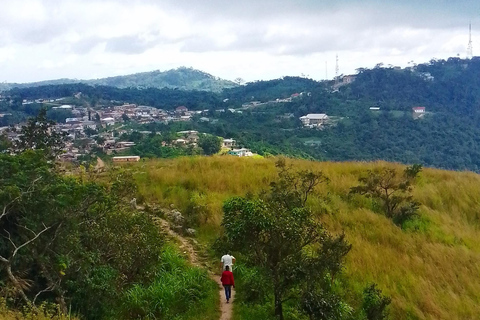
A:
[75,242]
[428,266]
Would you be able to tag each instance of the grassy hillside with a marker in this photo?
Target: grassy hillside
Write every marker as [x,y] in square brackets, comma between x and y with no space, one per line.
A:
[430,267]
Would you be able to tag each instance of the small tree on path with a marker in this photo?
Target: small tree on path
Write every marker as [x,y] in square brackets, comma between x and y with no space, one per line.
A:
[276,232]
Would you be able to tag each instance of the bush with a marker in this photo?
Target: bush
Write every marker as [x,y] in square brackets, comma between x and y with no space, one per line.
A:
[375,303]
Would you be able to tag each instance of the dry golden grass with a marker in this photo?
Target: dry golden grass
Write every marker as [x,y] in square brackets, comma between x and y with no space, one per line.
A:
[431,272]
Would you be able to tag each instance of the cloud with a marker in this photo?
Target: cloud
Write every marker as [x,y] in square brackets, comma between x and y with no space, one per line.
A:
[97,38]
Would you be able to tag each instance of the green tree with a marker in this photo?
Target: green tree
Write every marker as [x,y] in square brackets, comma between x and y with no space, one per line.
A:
[71,241]
[392,189]
[125,117]
[40,134]
[375,304]
[210,144]
[277,233]
[5,144]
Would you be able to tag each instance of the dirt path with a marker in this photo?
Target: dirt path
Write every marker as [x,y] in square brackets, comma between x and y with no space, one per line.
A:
[100,164]
[187,247]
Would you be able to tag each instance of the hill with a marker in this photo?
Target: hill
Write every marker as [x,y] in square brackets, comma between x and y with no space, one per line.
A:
[265,115]
[180,78]
[428,267]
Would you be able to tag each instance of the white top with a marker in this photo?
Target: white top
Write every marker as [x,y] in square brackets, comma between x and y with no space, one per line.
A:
[227,260]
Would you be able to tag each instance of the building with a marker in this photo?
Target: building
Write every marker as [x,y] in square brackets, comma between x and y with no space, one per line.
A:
[418,112]
[126,159]
[348,79]
[243,152]
[181,109]
[109,121]
[228,143]
[312,120]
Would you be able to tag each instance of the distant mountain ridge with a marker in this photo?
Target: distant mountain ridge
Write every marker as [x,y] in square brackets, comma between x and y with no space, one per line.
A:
[181,78]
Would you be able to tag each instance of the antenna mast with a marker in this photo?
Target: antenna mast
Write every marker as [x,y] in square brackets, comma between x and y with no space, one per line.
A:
[336,69]
[470,47]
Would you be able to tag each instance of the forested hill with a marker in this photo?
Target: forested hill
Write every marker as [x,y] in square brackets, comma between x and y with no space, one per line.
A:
[447,136]
[451,85]
[180,78]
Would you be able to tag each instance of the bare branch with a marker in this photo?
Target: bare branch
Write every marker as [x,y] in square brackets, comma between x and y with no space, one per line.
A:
[45,228]
[49,288]
[29,190]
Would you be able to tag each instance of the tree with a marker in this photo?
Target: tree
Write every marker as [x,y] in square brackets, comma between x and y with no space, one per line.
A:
[375,304]
[125,117]
[210,144]
[392,190]
[40,134]
[277,233]
[70,241]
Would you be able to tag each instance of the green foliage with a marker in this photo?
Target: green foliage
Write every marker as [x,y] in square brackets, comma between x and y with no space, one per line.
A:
[375,304]
[39,134]
[278,234]
[392,190]
[210,144]
[70,241]
[176,290]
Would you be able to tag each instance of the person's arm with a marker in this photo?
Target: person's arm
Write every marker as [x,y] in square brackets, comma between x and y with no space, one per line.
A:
[232,280]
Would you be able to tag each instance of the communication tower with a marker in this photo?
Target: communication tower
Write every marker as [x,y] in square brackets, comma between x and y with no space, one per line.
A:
[336,69]
[470,47]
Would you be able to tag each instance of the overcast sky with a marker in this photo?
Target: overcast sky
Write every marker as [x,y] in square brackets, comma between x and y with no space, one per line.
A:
[251,39]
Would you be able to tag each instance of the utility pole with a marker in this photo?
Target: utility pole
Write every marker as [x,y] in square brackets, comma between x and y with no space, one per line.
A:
[326,71]
[470,47]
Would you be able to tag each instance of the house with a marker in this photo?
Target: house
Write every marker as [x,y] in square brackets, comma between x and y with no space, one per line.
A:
[228,143]
[126,159]
[314,119]
[181,109]
[243,152]
[418,112]
[348,79]
[108,121]
[89,124]
[375,108]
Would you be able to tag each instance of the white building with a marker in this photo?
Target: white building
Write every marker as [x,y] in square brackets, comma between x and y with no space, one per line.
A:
[108,121]
[314,119]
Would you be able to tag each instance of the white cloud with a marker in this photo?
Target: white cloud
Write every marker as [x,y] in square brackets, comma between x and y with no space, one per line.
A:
[47,39]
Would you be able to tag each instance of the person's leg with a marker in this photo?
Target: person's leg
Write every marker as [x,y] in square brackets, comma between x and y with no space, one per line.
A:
[226,291]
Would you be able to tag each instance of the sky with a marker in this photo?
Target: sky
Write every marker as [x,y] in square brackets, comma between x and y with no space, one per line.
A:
[248,39]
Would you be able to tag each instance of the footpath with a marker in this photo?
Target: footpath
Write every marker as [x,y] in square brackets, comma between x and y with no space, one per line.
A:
[187,246]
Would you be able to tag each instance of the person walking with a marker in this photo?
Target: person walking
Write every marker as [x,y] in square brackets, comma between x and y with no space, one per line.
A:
[227,260]
[227,282]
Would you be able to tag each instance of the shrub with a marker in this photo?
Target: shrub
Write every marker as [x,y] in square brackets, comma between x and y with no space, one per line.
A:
[177,289]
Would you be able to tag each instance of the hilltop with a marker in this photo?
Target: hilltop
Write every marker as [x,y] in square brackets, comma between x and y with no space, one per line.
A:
[181,78]
[428,267]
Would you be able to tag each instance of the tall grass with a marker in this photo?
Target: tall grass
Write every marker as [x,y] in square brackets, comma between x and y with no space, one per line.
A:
[430,268]
[179,291]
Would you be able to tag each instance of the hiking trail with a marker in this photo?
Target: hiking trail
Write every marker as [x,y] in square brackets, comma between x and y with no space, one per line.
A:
[187,246]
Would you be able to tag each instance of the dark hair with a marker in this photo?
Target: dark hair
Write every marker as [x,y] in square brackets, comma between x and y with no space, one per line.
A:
[227,268]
